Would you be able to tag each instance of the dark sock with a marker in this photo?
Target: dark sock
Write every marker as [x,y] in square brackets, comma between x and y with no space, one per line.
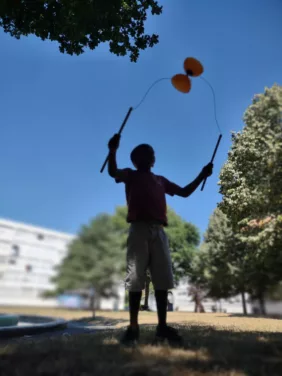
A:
[161,299]
[134,306]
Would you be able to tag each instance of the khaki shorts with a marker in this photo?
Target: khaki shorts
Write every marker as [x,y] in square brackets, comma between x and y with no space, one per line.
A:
[147,247]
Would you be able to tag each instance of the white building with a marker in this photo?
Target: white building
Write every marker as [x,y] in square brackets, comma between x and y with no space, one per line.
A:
[29,254]
[28,257]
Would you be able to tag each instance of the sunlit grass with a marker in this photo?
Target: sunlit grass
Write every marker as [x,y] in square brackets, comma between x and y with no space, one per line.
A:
[218,320]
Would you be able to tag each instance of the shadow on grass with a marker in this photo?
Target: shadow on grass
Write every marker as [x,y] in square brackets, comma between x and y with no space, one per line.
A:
[206,351]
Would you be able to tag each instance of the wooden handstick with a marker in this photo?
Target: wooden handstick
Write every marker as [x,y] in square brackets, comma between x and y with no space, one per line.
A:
[213,156]
[119,132]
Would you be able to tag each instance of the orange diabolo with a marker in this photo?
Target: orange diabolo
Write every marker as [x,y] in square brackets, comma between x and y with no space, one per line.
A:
[192,68]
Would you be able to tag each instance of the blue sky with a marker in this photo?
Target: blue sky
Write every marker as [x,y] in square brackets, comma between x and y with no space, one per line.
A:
[58,111]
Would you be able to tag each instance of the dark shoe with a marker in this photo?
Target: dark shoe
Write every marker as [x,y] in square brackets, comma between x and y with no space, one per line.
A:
[130,337]
[167,333]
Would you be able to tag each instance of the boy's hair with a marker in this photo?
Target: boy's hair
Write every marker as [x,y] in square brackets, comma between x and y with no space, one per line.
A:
[142,156]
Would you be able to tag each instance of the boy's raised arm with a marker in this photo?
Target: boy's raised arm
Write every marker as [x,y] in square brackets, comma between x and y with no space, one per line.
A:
[191,187]
[174,189]
[112,162]
[120,175]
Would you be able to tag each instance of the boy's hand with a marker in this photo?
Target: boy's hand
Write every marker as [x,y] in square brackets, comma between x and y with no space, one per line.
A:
[207,170]
[114,142]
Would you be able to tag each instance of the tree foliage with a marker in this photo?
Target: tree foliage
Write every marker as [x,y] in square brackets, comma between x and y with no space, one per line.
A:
[250,180]
[211,269]
[251,186]
[220,267]
[95,259]
[80,24]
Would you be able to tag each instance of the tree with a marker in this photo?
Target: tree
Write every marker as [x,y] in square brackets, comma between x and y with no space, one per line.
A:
[94,260]
[220,265]
[80,24]
[251,186]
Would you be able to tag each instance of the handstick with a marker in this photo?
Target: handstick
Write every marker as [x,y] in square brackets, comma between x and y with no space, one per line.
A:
[119,132]
[213,156]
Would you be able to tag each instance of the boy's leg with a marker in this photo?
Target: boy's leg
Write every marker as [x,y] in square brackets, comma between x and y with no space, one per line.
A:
[134,306]
[161,270]
[161,299]
[137,263]
[162,278]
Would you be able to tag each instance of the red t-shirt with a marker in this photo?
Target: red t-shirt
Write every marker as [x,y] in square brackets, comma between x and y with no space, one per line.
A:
[145,195]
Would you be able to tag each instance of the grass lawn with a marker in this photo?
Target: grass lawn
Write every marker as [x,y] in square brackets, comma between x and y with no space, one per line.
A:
[215,344]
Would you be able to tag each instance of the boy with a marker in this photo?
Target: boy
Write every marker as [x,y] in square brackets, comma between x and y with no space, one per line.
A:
[147,245]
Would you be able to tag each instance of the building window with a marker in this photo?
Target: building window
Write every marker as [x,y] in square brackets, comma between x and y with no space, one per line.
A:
[28,268]
[40,237]
[16,250]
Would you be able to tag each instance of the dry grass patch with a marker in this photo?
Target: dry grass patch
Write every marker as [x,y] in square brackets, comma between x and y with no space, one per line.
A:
[214,345]
[206,352]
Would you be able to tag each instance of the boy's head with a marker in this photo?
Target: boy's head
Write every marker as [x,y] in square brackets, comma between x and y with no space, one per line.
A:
[143,157]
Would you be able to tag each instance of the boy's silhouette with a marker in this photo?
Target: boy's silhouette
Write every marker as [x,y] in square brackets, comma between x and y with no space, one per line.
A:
[147,245]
